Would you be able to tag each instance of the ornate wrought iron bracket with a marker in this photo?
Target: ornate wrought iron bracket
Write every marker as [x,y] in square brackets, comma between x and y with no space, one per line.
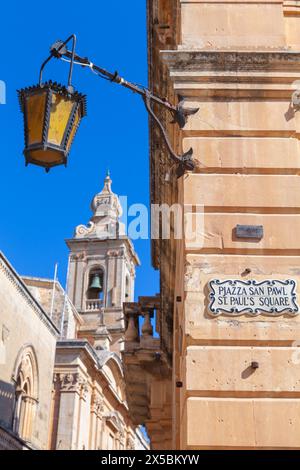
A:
[179,113]
[185,161]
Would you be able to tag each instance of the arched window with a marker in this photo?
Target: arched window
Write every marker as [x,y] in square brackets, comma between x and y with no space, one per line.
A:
[26,394]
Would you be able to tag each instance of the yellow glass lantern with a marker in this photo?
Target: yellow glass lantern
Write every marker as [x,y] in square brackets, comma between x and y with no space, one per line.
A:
[52,114]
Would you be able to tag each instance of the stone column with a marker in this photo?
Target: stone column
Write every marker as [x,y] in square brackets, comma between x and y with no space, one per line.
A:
[110,278]
[96,414]
[69,411]
[76,280]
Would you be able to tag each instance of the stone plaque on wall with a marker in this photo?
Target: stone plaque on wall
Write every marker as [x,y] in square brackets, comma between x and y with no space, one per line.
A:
[236,297]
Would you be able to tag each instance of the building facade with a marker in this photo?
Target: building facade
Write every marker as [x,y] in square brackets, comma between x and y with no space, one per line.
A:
[225,367]
[62,384]
[28,342]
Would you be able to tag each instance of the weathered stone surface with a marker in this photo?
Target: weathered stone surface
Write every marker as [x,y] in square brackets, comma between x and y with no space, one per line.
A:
[24,325]
[225,369]
[224,25]
[242,423]
[238,62]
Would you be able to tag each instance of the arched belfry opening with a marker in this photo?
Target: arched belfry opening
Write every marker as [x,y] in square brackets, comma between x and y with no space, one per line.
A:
[95,289]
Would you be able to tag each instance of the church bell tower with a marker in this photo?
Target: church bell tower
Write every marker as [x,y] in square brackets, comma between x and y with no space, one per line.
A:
[101,272]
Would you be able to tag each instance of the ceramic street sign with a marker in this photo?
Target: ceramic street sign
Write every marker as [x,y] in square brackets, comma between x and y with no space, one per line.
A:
[235,297]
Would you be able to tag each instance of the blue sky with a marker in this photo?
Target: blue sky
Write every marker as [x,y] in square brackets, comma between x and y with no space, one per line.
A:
[38,210]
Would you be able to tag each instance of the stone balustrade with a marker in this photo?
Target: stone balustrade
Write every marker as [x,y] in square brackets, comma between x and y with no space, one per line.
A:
[93,305]
[138,323]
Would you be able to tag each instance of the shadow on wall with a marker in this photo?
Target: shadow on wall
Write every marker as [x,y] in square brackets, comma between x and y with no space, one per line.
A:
[7,395]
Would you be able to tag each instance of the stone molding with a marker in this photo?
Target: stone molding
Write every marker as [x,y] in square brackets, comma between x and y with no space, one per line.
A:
[8,441]
[291,8]
[190,60]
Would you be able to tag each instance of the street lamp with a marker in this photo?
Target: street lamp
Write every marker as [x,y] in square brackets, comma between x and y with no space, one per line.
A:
[52,112]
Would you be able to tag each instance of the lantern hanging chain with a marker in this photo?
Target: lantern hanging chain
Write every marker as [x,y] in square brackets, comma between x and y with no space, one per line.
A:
[179,113]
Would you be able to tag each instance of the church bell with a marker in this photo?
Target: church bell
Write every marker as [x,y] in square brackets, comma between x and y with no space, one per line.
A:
[95,284]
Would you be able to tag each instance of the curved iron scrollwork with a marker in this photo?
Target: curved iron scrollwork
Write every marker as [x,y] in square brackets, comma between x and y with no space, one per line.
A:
[185,161]
[179,113]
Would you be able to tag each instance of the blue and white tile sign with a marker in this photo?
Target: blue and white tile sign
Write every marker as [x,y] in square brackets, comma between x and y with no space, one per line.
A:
[236,297]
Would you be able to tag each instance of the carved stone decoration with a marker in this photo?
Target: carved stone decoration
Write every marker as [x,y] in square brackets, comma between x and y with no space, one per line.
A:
[67,382]
[73,382]
[114,418]
[78,256]
[130,443]
[84,390]
[97,405]
[102,201]
[113,253]
[121,437]
[83,230]
[56,382]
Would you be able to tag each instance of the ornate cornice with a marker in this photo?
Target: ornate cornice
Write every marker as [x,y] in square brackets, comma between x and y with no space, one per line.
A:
[115,243]
[193,60]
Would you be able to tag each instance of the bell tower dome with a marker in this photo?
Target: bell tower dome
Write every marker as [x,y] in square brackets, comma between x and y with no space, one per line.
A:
[101,271]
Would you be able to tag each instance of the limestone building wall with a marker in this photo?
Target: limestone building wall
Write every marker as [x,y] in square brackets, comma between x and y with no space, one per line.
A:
[238,63]
[28,340]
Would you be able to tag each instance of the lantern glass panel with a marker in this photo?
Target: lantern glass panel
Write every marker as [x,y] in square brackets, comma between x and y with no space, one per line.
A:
[52,115]
[61,110]
[74,128]
[35,112]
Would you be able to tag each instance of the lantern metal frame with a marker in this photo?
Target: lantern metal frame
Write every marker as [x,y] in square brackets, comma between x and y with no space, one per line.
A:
[62,44]
[69,93]
[79,102]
